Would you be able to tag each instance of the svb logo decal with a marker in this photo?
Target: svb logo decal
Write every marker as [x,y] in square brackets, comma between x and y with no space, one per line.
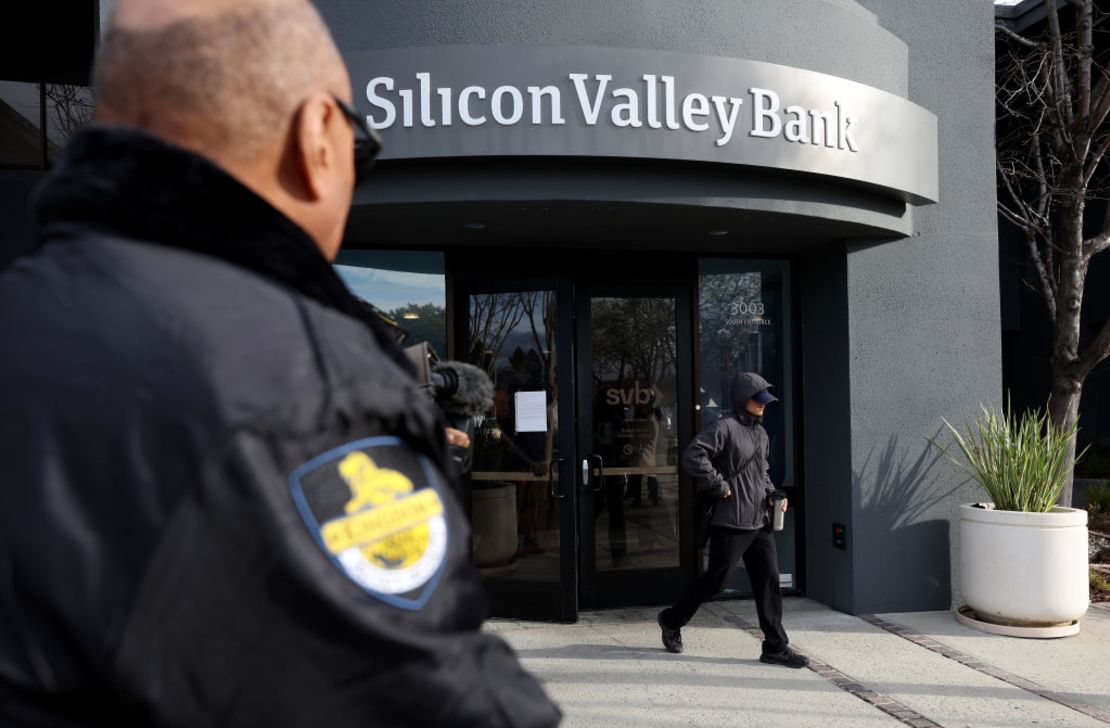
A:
[375,508]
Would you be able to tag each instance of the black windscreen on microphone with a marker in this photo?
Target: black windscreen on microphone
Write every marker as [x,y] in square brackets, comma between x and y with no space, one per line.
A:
[462,389]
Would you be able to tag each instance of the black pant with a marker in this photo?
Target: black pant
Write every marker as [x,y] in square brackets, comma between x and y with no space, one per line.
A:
[726,548]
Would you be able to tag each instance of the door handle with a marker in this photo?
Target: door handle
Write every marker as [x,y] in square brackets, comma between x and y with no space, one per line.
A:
[553,469]
[585,473]
[600,470]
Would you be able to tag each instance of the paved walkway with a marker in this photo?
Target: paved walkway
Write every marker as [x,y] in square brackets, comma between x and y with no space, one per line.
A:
[921,669]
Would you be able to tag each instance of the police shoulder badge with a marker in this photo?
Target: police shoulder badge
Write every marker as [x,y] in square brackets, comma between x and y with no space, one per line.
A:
[375,507]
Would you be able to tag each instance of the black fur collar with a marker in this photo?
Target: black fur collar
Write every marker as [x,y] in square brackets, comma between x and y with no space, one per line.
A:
[125,182]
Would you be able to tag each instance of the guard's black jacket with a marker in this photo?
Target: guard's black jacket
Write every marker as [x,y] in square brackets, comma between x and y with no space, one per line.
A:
[188,403]
[732,453]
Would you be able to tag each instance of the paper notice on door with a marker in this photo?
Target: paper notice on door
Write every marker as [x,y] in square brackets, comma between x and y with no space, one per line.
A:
[531,411]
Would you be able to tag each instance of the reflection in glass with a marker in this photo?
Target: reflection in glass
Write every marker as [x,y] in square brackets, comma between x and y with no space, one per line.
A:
[408,287]
[69,108]
[744,322]
[635,384]
[21,137]
[33,114]
[515,519]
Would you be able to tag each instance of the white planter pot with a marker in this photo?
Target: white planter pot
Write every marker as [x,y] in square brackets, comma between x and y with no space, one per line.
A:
[1024,569]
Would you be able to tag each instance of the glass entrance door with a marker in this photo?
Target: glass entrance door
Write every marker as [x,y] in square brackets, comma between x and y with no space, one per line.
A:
[575,497]
[633,388]
[520,495]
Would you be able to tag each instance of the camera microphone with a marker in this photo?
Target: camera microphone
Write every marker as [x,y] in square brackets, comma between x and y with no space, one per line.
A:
[462,390]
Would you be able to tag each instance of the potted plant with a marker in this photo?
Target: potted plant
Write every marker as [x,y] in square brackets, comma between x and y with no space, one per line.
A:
[1023,559]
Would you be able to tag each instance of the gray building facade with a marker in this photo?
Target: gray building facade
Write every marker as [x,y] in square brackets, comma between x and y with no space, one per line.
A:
[896,319]
[811,194]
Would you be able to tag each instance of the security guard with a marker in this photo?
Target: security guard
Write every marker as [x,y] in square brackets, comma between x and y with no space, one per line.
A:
[222,498]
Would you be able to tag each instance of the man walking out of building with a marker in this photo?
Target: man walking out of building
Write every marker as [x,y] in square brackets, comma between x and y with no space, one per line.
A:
[728,461]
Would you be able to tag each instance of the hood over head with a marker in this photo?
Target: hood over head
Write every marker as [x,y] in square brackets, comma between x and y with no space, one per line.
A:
[743,387]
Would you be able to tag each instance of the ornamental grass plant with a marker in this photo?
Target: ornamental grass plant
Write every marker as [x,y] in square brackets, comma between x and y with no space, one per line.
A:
[1021,461]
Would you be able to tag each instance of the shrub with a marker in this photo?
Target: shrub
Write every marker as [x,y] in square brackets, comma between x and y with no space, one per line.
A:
[1019,460]
[1098,498]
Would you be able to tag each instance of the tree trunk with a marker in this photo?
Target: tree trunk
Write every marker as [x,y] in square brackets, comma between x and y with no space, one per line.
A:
[1063,408]
[1067,384]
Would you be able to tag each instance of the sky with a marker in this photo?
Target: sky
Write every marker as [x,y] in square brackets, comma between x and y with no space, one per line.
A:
[389,289]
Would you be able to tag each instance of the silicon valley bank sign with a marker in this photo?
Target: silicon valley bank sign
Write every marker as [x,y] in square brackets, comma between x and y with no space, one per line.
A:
[471,101]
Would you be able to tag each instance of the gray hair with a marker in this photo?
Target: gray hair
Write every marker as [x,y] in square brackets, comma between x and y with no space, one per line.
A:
[226,82]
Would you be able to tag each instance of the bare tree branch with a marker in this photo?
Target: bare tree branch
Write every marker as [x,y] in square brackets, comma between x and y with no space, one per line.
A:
[1059,70]
[1048,283]
[1016,37]
[1100,242]
[1096,351]
[1083,72]
[1100,97]
[1044,200]
[1094,159]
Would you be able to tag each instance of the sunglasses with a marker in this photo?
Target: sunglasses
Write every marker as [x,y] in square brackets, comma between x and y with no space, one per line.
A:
[367,142]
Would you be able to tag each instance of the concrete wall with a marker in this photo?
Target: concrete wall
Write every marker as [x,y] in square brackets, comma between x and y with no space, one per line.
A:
[826,437]
[923,326]
[832,36]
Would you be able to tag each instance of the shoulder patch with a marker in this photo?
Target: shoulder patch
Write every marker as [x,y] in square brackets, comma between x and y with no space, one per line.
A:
[376,509]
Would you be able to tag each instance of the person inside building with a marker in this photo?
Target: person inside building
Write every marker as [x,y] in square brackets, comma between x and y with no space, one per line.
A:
[728,462]
[224,499]
[644,431]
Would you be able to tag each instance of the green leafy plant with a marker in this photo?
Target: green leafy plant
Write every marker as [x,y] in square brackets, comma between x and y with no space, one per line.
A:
[1098,582]
[1021,461]
[1098,498]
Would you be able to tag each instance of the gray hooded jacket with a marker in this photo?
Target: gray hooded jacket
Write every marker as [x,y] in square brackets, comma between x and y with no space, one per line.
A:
[732,454]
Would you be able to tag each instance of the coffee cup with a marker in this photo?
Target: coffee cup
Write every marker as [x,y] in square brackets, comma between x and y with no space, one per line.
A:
[777,515]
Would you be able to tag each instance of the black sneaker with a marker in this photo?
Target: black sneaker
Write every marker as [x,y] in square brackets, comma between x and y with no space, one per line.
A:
[672,638]
[787,657]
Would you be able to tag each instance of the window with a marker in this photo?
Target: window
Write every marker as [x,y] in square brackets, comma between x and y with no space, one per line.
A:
[27,109]
[745,323]
[409,287]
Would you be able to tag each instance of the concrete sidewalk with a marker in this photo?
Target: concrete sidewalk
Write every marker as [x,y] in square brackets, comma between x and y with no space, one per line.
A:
[921,669]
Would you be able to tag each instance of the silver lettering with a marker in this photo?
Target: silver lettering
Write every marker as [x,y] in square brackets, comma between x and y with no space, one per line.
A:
[552,93]
[764,105]
[425,80]
[590,112]
[727,119]
[796,129]
[689,112]
[382,103]
[464,105]
[497,105]
[626,113]
[827,130]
